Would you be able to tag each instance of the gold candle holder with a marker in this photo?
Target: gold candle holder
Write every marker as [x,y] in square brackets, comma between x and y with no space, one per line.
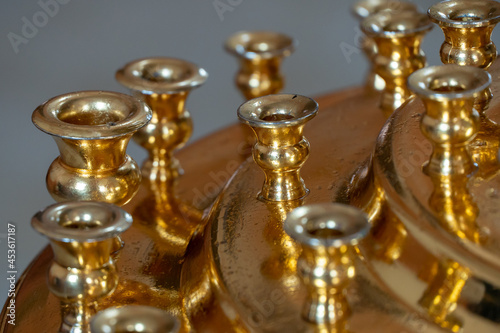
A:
[398,36]
[467,26]
[164,84]
[92,130]
[134,318]
[278,122]
[82,235]
[260,54]
[450,123]
[364,9]
[327,234]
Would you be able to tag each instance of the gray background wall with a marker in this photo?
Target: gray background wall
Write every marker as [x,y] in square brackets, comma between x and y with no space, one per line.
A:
[81,44]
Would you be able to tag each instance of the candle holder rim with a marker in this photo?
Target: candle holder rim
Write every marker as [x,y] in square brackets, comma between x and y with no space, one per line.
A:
[245,111]
[234,45]
[440,16]
[127,312]
[352,222]
[373,26]
[127,76]
[365,8]
[45,117]
[46,222]
[420,80]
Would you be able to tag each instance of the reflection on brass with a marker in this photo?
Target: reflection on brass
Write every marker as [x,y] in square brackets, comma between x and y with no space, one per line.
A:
[134,318]
[450,123]
[278,122]
[441,297]
[468,26]
[260,54]
[388,233]
[92,130]
[327,234]
[282,263]
[82,236]
[389,236]
[362,10]
[398,36]
[164,84]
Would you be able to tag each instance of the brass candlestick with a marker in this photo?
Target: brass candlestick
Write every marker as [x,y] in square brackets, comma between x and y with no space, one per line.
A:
[82,235]
[164,84]
[92,130]
[278,122]
[260,54]
[468,26]
[450,123]
[398,36]
[134,318]
[327,233]
[364,9]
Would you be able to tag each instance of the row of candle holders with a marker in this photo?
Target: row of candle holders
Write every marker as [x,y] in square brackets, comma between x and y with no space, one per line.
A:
[92,130]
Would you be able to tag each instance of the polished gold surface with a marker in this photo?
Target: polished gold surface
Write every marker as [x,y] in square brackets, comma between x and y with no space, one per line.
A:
[260,54]
[362,10]
[215,254]
[327,234]
[132,319]
[278,122]
[83,272]
[92,130]
[398,36]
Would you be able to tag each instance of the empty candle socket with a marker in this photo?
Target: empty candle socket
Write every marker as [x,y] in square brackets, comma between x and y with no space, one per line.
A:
[327,234]
[398,36]
[92,130]
[164,84]
[450,123]
[364,9]
[82,235]
[278,122]
[260,54]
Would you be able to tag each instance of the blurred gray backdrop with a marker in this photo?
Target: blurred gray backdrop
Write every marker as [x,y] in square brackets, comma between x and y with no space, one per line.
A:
[50,47]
